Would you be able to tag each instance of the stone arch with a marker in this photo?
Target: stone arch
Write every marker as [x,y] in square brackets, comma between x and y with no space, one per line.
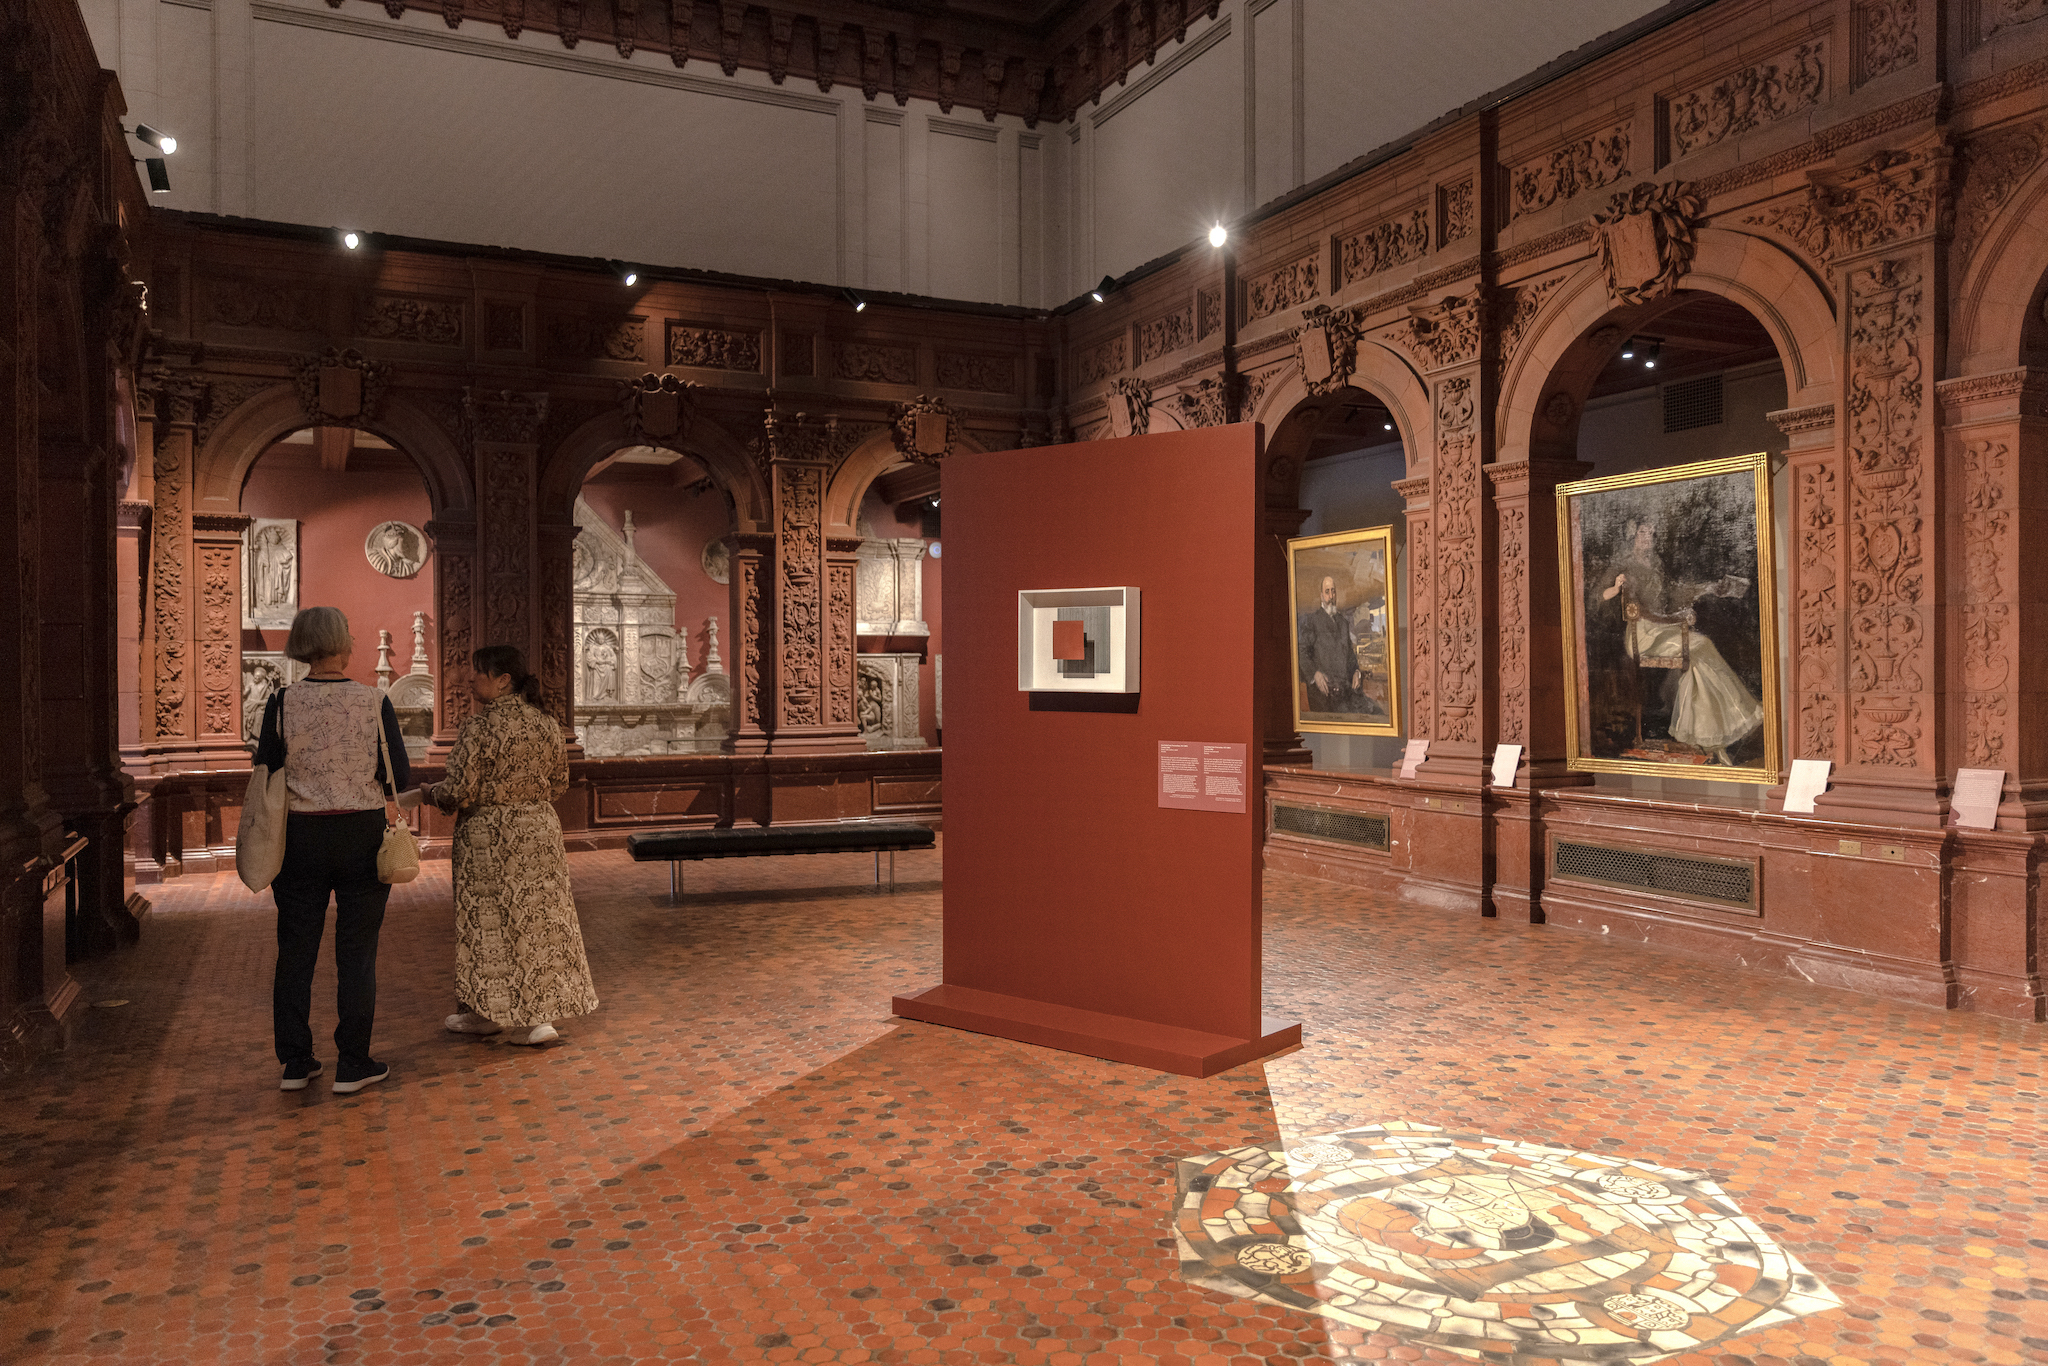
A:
[222,465]
[875,456]
[722,457]
[1998,323]
[1292,414]
[1761,277]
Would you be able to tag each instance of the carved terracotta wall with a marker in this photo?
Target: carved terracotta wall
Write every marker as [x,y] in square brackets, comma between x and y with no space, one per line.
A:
[455,619]
[799,595]
[173,683]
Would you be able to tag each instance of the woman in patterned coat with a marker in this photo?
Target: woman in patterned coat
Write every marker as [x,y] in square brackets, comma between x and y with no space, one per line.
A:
[519,962]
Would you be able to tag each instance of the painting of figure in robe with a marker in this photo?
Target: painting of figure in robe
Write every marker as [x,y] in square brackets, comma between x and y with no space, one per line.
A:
[1671,622]
[1346,658]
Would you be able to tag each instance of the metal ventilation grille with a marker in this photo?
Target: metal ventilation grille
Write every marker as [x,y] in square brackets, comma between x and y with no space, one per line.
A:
[1724,882]
[1692,403]
[1339,827]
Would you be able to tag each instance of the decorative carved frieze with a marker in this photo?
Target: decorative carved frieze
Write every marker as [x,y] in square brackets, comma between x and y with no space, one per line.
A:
[1995,16]
[658,408]
[1512,634]
[1130,407]
[1887,37]
[701,347]
[799,595]
[1647,236]
[1206,403]
[1816,518]
[220,669]
[403,318]
[1988,170]
[1888,517]
[1326,347]
[1455,210]
[839,664]
[1748,99]
[925,429]
[175,404]
[1208,312]
[222,397]
[1580,166]
[502,416]
[1441,334]
[252,303]
[876,363]
[1393,242]
[1166,334]
[972,370]
[575,337]
[1279,289]
[339,387]
[504,327]
[1098,362]
[1890,197]
[1518,309]
[454,573]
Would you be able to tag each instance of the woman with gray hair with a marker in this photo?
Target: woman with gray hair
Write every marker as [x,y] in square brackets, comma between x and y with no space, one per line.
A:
[322,732]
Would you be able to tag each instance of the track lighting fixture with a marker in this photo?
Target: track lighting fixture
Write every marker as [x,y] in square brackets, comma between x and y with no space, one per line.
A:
[628,276]
[1103,290]
[351,240]
[163,142]
[1387,426]
[159,175]
[859,304]
[1628,349]
[1218,235]
[1644,349]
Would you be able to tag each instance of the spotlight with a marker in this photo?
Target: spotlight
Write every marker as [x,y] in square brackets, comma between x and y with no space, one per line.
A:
[351,240]
[1218,235]
[159,175]
[859,304]
[1628,349]
[163,142]
[1650,351]
[1103,290]
[1388,426]
[628,276]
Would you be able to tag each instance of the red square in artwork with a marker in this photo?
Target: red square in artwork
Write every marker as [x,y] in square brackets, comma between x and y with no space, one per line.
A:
[1068,640]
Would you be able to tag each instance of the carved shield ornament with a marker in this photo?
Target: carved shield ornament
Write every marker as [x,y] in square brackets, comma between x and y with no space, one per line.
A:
[1326,345]
[1130,407]
[1647,237]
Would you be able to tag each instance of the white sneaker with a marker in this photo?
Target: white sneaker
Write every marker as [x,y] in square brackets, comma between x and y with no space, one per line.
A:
[540,1033]
[468,1023]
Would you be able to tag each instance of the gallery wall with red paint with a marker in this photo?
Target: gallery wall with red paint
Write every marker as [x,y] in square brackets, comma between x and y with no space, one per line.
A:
[883,520]
[672,524]
[335,511]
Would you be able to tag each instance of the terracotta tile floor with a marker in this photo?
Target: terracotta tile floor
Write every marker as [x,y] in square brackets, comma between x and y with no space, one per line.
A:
[742,1156]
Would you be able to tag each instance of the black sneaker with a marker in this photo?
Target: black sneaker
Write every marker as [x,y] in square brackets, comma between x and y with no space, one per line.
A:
[297,1074]
[353,1077]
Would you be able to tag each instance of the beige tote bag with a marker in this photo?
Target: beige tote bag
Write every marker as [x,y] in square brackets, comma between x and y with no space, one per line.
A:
[398,858]
[259,838]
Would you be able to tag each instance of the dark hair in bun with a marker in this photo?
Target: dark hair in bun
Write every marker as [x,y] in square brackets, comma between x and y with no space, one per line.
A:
[497,661]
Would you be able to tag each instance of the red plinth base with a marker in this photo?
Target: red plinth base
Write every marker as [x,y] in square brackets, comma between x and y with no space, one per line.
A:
[1185,1052]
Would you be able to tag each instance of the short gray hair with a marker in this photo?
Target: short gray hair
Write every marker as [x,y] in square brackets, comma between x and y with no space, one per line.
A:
[316,633]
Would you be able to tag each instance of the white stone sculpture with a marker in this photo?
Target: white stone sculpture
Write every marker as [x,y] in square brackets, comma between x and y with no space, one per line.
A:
[885,701]
[717,561]
[419,642]
[888,588]
[263,673]
[396,549]
[270,573]
[635,693]
[383,659]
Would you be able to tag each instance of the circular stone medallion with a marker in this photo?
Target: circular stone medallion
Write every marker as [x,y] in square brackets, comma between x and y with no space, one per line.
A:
[717,562]
[395,549]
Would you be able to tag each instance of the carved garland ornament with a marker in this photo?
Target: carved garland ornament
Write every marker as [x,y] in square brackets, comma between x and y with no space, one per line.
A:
[1326,346]
[1647,237]
[340,386]
[925,429]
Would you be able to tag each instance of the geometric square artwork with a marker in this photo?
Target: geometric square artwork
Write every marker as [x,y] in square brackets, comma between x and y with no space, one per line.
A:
[1508,1252]
[1069,640]
[1085,632]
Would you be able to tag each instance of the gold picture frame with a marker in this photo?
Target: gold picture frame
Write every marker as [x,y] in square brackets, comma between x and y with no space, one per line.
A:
[1341,598]
[1670,616]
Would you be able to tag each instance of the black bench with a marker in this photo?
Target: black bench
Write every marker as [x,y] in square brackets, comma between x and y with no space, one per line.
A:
[847,837]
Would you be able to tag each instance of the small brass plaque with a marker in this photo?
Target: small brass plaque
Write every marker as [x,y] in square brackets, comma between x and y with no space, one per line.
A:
[1849,847]
[1892,851]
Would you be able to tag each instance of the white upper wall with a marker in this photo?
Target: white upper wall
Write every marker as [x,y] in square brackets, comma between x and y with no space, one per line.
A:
[294,111]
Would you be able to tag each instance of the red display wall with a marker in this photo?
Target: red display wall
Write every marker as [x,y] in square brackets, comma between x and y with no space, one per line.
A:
[335,511]
[1079,914]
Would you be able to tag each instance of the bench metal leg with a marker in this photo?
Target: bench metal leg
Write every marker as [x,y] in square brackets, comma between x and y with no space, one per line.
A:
[878,870]
[675,880]
[892,872]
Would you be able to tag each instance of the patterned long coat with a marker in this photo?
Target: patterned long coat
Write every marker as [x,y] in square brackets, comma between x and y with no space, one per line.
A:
[519,957]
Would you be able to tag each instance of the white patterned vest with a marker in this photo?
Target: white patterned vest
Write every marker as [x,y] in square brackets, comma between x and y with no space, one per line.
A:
[330,746]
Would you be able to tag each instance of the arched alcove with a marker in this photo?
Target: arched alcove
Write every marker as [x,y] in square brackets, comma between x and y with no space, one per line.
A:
[2000,320]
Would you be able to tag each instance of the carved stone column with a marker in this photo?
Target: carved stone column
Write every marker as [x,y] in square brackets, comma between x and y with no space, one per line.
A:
[1530,662]
[1896,759]
[753,562]
[813,700]
[842,568]
[557,619]
[503,428]
[1995,464]
[216,642]
[1421,597]
[171,680]
[454,625]
[1815,618]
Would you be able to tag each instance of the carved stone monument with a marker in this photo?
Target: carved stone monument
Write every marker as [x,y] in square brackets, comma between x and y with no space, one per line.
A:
[263,673]
[631,667]
[270,559]
[395,549]
[885,701]
[888,596]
